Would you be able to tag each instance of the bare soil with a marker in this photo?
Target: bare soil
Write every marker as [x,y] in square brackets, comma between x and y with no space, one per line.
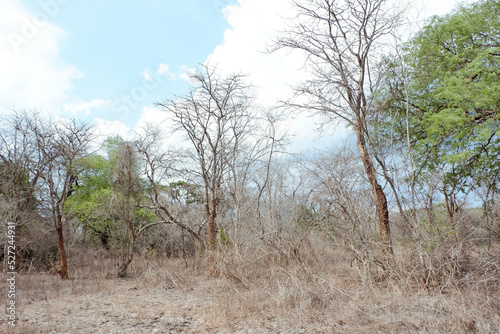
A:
[172,296]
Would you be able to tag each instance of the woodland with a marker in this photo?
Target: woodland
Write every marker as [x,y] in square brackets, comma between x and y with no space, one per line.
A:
[407,203]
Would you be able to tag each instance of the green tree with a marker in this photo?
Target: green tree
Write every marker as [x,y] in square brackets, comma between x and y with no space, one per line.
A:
[91,203]
[109,199]
[448,97]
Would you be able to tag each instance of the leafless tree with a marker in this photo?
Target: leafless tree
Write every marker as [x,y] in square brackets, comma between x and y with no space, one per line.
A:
[249,166]
[60,145]
[343,41]
[214,115]
[42,155]
[160,166]
[340,185]
[126,186]
[18,181]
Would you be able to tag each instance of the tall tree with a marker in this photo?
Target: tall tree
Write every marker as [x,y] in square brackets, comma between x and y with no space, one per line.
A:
[60,145]
[42,156]
[343,42]
[448,105]
[126,186]
[110,197]
[158,165]
[18,181]
[213,116]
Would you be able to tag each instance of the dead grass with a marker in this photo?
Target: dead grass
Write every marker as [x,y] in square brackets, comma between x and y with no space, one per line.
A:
[314,287]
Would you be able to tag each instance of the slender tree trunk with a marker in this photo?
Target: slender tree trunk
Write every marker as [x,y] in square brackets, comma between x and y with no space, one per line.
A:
[450,209]
[127,255]
[126,261]
[430,212]
[212,237]
[389,180]
[63,270]
[377,191]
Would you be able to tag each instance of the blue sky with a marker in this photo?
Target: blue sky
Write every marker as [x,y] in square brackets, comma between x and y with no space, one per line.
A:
[113,41]
[108,61]
[119,46]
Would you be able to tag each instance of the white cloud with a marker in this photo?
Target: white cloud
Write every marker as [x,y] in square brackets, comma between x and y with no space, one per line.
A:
[146,74]
[85,107]
[152,76]
[106,128]
[164,69]
[432,7]
[187,72]
[254,26]
[31,75]
[151,115]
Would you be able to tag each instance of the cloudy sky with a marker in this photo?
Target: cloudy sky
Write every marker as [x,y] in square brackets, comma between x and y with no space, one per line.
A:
[109,61]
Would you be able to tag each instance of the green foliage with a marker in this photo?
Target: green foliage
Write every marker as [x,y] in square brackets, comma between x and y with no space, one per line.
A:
[185,193]
[90,203]
[223,237]
[455,81]
[111,145]
[96,202]
[305,217]
[453,86]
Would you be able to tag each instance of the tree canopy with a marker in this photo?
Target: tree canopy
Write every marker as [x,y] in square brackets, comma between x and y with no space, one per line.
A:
[453,85]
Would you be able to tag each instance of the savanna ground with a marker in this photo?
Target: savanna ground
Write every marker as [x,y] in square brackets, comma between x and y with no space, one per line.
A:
[306,287]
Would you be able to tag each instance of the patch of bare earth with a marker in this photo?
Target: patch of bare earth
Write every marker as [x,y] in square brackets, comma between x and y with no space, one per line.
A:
[255,293]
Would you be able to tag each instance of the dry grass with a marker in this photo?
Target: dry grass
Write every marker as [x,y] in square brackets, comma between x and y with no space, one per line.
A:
[312,287]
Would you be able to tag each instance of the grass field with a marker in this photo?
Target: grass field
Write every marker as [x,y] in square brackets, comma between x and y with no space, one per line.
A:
[315,288]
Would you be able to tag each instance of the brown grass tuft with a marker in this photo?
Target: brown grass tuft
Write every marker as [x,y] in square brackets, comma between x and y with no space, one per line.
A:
[311,285]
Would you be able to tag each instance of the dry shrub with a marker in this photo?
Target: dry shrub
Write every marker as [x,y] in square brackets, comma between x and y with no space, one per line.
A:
[38,247]
[449,286]
[305,283]
[160,276]
[442,262]
[298,282]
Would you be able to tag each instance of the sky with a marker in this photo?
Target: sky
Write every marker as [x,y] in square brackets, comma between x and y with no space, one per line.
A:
[109,61]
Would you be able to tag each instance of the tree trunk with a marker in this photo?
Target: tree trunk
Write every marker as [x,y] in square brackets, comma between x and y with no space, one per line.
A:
[212,238]
[377,191]
[127,256]
[450,209]
[122,271]
[430,213]
[63,270]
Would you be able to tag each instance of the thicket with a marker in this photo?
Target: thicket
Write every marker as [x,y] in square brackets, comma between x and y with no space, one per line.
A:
[426,133]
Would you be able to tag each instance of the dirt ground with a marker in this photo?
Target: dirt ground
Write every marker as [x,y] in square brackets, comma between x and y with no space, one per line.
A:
[131,306]
[257,296]
[116,306]
[127,306]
